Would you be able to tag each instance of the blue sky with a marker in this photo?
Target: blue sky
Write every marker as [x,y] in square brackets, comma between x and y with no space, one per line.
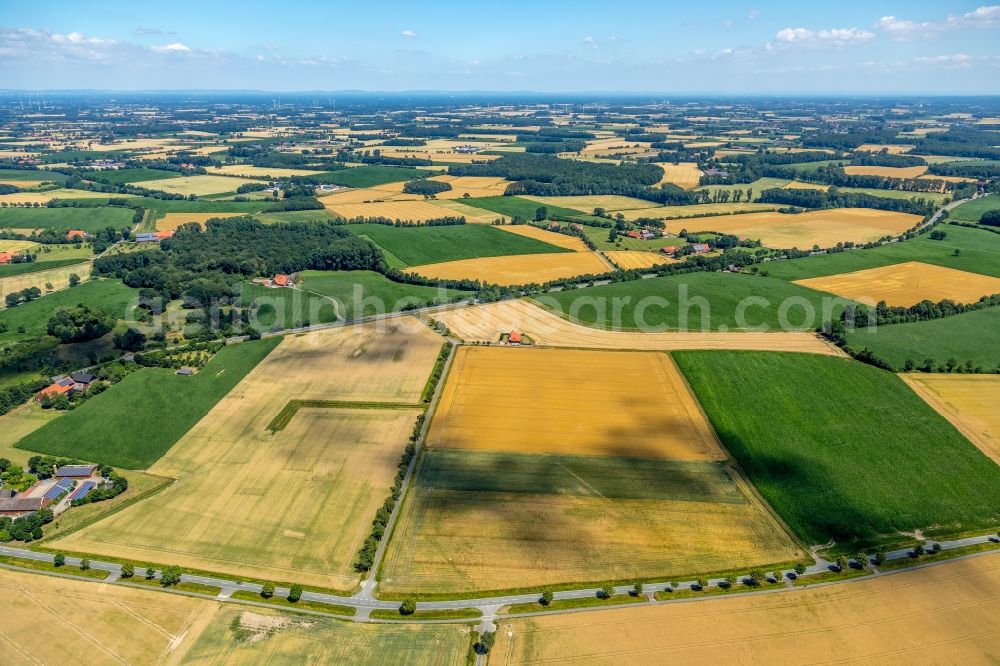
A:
[721,47]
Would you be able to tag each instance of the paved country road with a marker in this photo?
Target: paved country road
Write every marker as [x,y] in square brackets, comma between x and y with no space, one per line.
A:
[364,602]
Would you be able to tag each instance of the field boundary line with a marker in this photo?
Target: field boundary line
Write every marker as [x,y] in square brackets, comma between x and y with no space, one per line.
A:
[292,407]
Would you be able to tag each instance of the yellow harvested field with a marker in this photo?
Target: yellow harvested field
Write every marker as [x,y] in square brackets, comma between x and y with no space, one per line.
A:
[298,503]
[474,186]
[550,237]
[443,150]
[48,620]
[968,401]
[907,284]
[16,245]
[539,401]
[825,228]
[629,259]
[587,203]
[171,221]
[45,197]
[251,171]
[891,148]
[684,174]
[58,278]
[198,185]
[946,614]
[516,269]
[485,323]
[799,185]
[889,172]
[694,210]
[414,211]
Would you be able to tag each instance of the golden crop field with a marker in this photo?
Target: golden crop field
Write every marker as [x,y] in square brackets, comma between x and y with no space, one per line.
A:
[891,148]
[680,212]
[516,269]
[415,210]
[442,150]
[825,228]
[587,203]
[58,278]
[529,400]
[16,245]
[198,185]
[294,505]
[485,323]
[550,237]
[948,614]
[474,186]
[171,221]
[889,172]
[684,174]
[287,638]
[906,284]
[251,171]
[799,185]
[42,198]
[48,620]
[629,259]
[968,401]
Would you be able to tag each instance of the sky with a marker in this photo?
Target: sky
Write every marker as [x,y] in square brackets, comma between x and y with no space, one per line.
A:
[722,47]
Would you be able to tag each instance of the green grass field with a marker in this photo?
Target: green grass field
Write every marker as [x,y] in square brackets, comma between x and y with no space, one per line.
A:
[341,286]
[973,336]
[6,270]
[973,210]
[525,208]
[108,295]
[369,176]
[840,449]
[90,220]
[979,252]
[415,246]
[296,216]
[936,197]
[284,308]
[757,186]
[121,176]
[317,640]
[720,293]
[132,424]
[31,176]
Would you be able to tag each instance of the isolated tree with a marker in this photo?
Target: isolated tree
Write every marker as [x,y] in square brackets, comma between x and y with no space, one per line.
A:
[637,589]
[607,591]
[128,570]
[841,562]
[546,597]
[486,642]
[861,558]
[267,590]
[541,213]
[150,572]
[59,560]
[295,593]
[408,607]
[84,564]
[74,279]
[800,568]
[170,576]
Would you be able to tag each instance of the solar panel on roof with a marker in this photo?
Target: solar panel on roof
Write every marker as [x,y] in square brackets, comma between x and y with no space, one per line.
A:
[83,490]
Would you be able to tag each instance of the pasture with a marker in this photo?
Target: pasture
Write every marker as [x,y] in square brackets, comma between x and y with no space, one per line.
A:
[970,336]
[969,402]
[366,293]
[587,203]
[971,211]
[683,174]
[517,269]
[109,295]
[824,228]
[295,504]
[803,426]
[291,639]
[494,393]
[90,220]
[50,620]
[700,301]
[906,284]
[31,177]
[250,171]
[523,207]
[694,211]
[123,176]
[485,323]
[198,185]
[103,429]
[414,246]
[946,614]
[368,176]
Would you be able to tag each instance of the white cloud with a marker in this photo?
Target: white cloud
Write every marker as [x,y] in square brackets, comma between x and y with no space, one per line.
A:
[982,17]
[176,47]
[836,37]
[272,47]
[590,41]
[903,29]
[408,33]
[753,13]
[140,31]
